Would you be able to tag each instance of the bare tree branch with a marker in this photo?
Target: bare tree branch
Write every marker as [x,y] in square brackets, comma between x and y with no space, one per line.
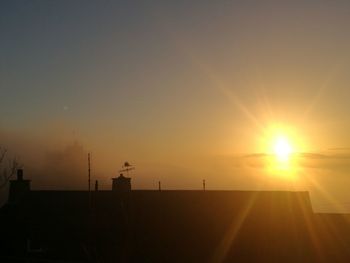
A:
[7,170]
[2,154]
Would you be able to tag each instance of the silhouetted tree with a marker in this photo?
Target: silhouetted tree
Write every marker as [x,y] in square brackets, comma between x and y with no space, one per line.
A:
[8,166]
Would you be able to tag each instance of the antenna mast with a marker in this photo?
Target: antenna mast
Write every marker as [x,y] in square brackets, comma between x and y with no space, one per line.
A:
[89,173]
[126,168]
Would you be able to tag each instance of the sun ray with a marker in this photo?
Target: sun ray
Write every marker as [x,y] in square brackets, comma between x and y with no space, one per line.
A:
[223,248]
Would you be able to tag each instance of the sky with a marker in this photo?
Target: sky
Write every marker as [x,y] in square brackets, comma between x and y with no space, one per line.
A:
[184,90]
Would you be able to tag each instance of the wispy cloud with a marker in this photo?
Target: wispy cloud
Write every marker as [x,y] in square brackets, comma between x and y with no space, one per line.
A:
[316,160]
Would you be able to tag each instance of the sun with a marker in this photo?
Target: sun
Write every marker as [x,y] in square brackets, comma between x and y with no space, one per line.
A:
[282,148]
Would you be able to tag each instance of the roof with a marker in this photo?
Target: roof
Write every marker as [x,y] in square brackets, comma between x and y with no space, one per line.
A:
[182,226]
[121,177]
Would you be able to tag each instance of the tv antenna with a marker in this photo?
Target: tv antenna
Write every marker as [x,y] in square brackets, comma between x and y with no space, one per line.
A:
[89,172]
[127,167]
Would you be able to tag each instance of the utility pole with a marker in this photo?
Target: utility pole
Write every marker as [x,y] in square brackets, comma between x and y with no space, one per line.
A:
[159,186]
[203,185]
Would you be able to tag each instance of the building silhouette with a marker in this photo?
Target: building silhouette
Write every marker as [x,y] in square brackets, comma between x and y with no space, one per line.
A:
[121,184]
[124,225]
[18,188]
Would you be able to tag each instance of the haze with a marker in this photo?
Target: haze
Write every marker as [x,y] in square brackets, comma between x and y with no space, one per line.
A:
[183,90]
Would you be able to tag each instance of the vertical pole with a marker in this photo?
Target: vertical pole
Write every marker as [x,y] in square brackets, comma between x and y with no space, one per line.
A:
[89,232]
[96,186]
[89,182]
[89,172]
[159,186]
[203,185]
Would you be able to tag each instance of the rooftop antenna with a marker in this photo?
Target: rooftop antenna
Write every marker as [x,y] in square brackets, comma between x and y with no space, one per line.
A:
[96,186]
[127,167]
[89,173]
[89,181]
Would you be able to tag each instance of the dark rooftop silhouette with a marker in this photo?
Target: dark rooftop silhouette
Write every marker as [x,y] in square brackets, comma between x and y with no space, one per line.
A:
[171,226]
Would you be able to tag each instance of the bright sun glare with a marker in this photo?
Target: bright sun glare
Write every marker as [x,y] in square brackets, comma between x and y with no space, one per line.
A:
[282,144]
[282,149]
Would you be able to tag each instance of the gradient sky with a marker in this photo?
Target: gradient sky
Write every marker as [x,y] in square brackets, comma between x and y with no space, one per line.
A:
[183,89]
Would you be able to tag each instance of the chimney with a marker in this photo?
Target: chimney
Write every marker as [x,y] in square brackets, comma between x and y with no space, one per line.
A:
[20,175]
[121,184]
[18,188]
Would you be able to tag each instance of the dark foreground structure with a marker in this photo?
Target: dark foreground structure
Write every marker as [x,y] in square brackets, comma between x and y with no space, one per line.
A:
[169,226]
